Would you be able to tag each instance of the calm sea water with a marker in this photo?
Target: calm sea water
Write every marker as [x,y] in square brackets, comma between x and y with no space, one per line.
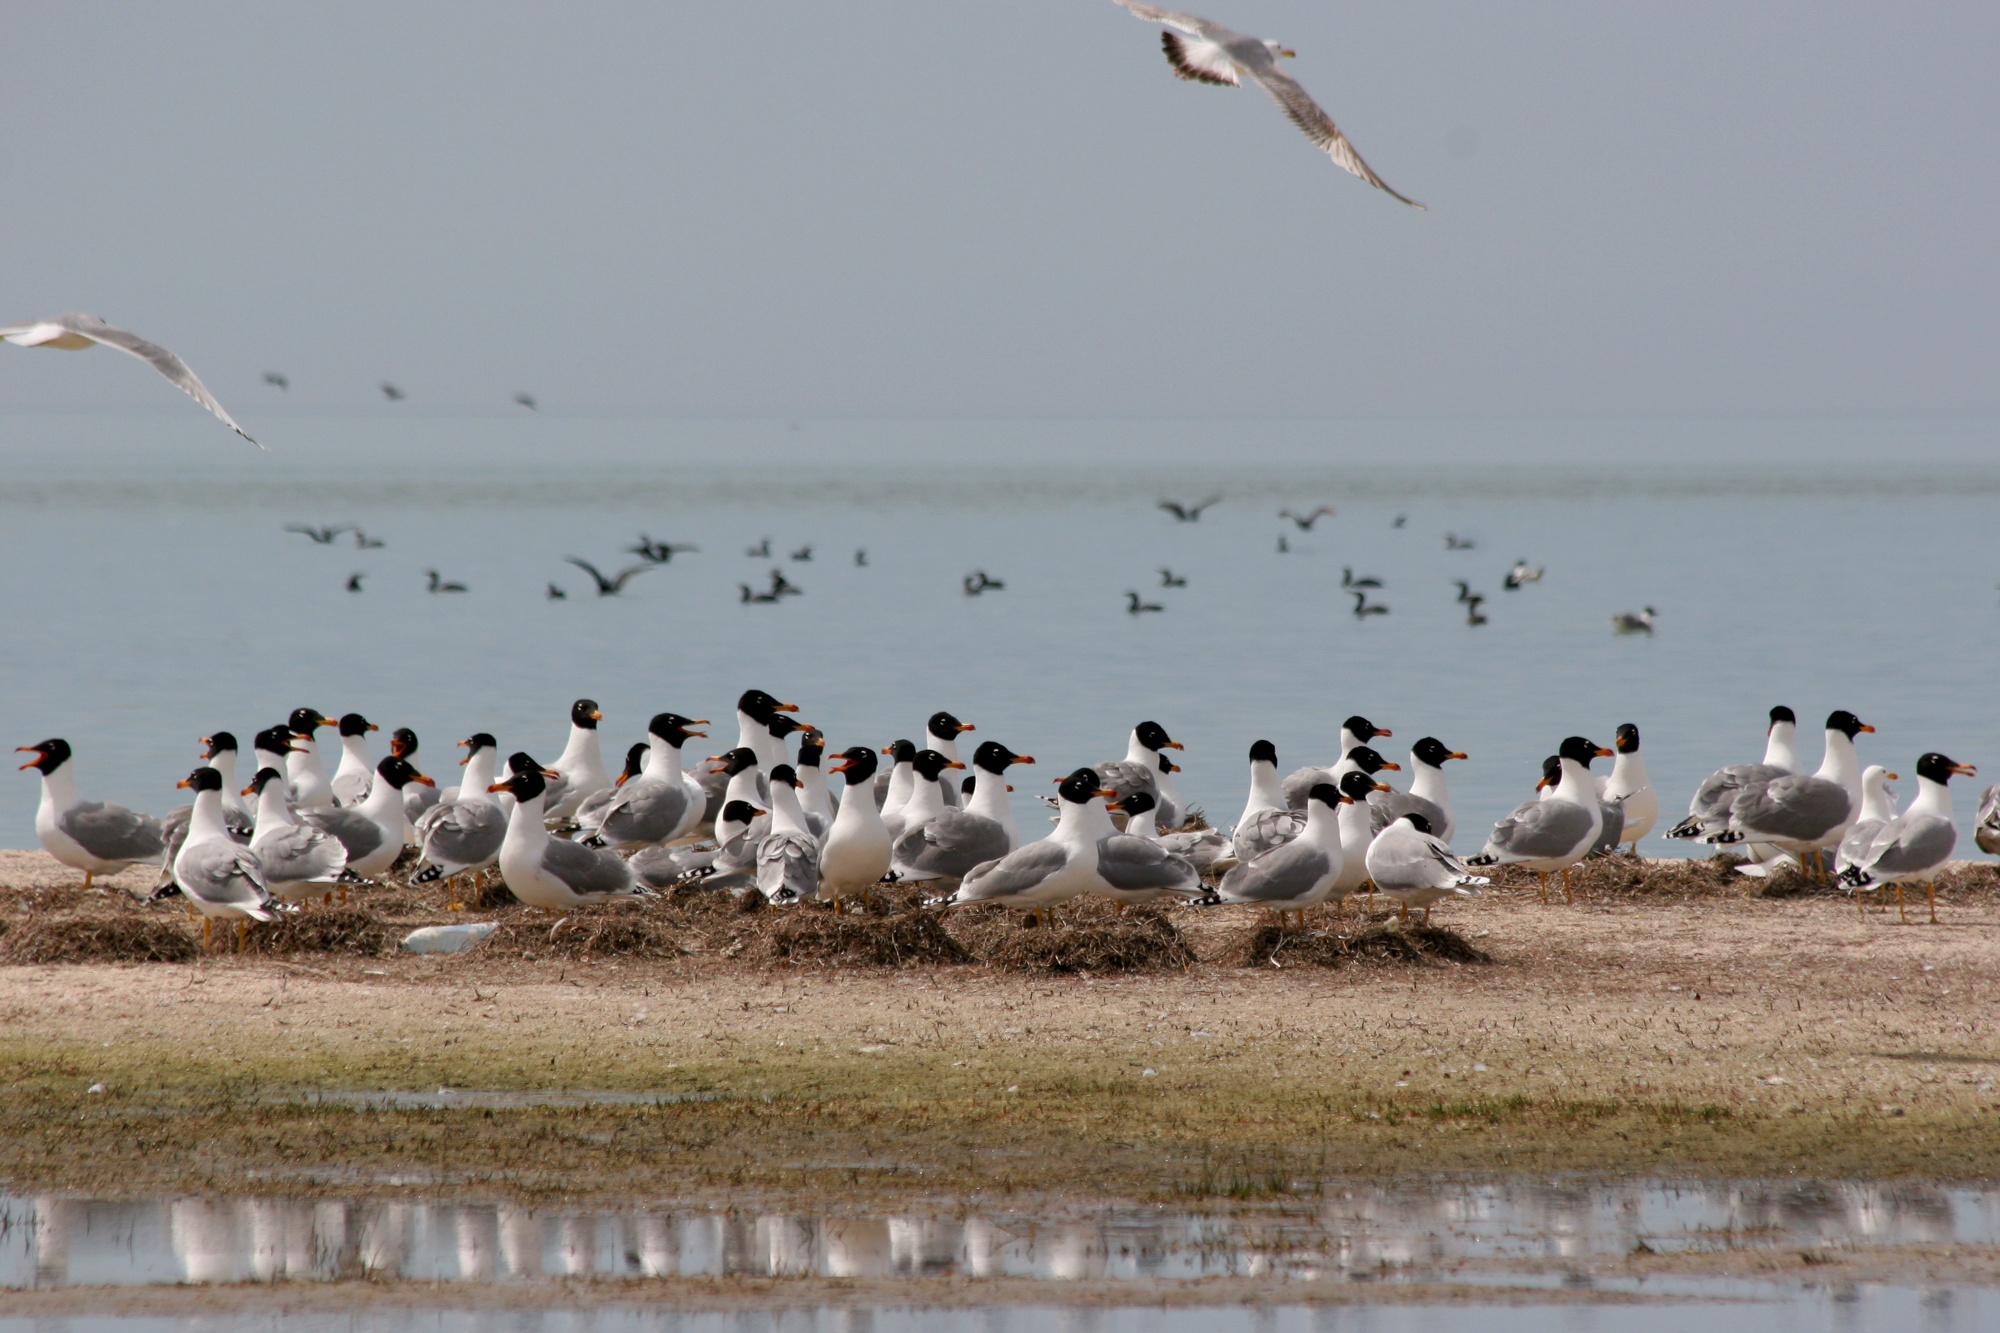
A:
[154,597]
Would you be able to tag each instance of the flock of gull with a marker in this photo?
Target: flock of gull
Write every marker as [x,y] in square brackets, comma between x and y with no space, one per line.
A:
[763,816]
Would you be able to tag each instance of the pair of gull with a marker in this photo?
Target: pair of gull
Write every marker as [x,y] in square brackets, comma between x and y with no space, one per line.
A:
[1781,812]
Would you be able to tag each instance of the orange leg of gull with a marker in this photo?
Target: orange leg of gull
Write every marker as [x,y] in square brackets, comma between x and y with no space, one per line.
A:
[1545,886]
[1930,896]
[1899,901]
[453,900]
[242,932]
[206,923]
[1568,897]
[86,881]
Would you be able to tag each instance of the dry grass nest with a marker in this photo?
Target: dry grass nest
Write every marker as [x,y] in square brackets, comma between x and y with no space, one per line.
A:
[1412,945]
[125,938]
[907,939]
[1094,939]
[593,934]
[350,930]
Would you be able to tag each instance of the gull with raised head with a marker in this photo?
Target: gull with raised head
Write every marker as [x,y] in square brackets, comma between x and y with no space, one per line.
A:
[96,837]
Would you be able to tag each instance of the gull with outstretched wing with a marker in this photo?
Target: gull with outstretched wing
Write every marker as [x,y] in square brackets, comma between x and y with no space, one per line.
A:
[76,331]
[1207,52]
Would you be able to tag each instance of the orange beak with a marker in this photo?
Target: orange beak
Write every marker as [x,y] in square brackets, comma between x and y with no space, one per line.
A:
[954,764]
[29,749]
[841,767]
[427,781]
[888,749]
[373,727]
[1383,786]
[1893,777]
[1458,754]
[1176,745]
[1024,759]
[967,726]
[1399,767]
[1384,731]
[698,722]
[1346,800]
[329,722]
[247,790]
[550,774]
[1866,727]
[501,786]
[1173,768]
[1603,752]
[1966,769]
[784,708]
[1104,791]
[184,783]
[702,734]
[596,715]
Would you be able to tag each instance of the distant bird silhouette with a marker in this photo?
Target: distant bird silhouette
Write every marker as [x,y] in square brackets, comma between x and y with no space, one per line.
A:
[320,536]
[1347,579]
[860,556]
[363,542]
[273,377]
[1465,592]
[607,587]
[1627,623]
[527,400]
[1283,545]
[1472,612]
[659,553]
[1454,542]
[1133,606]
[392,393]
[1401,519]
[750,596]
[556,594]
[1306,521]
[971,585]
[784,587]
[438,584]
[1188,513]
[761,551]
[978,581]
[1363,608]
[1521,573]
[803,553]
[1168,579]
[354,582]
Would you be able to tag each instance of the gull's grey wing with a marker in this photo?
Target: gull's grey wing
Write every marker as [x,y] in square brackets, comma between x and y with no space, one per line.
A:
[113,833]
[457,835]
[1018,872]
[1854,846]
[1800,808]
[586,870]
[1986,824]
[1386,807]
[1128,862]
[1538,830]
[643,810]
[1718,790]
[1280,875]
[418,798]
[1264,831]
[740,852]
[154,355]
[298,853]
[1910,845]
[1302,781]
[1125,778]
[948,845]
[1415,861]
[787,867]
[1187,23]
[226,875]
[1302,111]
[1613,831]
[359,834]
[1203,847]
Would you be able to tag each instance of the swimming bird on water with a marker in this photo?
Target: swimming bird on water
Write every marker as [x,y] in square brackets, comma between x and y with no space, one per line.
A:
[751,596]
[860,557]
[96,837]
[354,581]
[1465,592]
[1206,52]
[1306,521]
[1284,547]
[1454,542]
[1473,615]
[1168,579]
[1627,623]
[438,584]
[804,553]
[556,594]
[363,542]
[1134,606]
[76,331]
[1347,579]
[1188,513]
[1363,608]
[761,551]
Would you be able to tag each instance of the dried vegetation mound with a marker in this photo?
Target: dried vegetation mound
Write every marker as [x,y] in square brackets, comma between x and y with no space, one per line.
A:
[1413,945]
[1097,943]
[599,933]
[319,930]
[96,939]
[909,939]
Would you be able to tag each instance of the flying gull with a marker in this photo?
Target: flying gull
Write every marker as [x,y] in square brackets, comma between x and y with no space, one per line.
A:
[1218,55]
[76,331]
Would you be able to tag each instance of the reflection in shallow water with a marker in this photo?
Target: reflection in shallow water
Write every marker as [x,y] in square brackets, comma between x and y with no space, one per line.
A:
[1346,1234]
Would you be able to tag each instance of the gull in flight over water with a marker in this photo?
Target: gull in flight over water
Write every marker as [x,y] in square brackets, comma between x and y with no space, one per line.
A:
[75,331]
[1218,55]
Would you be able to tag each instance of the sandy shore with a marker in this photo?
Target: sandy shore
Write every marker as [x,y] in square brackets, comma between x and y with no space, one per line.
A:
[1630,1034]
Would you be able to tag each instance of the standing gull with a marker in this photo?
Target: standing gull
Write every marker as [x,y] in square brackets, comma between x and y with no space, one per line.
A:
[299,860]
[1709,808]
[1060,866]
[950,842]
[356,770]
[1878,807]
[1357,731]
[654,806]
[1218,55]
[1412,867]
[1427,795]
[1799,814]
[1207,849]
[1918,843]
[96,837]
[310,789]
[76,331]
[1268,819]
[788,856]
[857,850]
[1299,873]
[219,876]
[1141,770]
[1629,788]
[372,832]
[463,833]
[1556,833]
[581,762]
[553,873]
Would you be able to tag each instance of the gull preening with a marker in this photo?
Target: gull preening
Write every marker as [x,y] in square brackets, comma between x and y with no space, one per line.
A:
[75,331]
[1220,56]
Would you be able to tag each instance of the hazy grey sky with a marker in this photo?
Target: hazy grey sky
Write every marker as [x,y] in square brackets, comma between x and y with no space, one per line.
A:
[933,207]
